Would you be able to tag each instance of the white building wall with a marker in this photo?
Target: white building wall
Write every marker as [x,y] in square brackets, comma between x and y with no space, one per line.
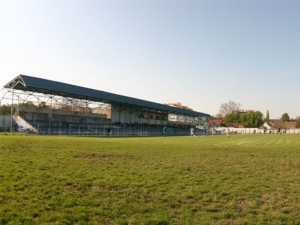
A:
[180,118]
[5,121]
[257,130]
[124,116]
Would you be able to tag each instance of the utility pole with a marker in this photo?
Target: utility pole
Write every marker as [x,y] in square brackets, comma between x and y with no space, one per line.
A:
[11,112]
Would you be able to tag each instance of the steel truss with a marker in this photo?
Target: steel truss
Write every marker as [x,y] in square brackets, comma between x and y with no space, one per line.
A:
[51,101]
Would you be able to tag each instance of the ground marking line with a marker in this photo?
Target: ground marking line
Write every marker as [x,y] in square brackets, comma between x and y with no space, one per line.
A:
[242,142]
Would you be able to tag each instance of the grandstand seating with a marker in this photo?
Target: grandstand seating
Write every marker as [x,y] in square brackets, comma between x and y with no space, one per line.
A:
[74,123]
[115,130]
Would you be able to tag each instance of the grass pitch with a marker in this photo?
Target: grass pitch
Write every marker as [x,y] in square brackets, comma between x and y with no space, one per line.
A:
[243,179]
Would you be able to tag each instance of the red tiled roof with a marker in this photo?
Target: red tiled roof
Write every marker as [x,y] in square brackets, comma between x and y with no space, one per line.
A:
[237,125]
[285,125]
[215,121]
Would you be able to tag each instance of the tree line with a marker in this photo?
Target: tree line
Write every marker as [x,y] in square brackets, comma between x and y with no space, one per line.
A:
[233,113]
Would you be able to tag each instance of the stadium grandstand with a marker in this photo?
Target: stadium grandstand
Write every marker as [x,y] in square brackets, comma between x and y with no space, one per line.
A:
[50,107]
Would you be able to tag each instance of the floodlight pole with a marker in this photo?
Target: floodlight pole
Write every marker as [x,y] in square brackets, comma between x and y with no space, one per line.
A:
[50,116]
[11,111]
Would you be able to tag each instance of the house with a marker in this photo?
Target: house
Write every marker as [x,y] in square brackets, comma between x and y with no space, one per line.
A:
[284,125]
[216,122]
[237,125]
[267,125]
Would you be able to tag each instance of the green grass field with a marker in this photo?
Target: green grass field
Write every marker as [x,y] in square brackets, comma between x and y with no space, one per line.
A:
[244,179]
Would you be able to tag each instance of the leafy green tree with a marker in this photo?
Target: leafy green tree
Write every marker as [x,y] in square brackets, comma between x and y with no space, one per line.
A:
[249,119]
[28,104]
[228,118]
[5,109]
[285,117]
[232,118]
[243,118]
[258,119]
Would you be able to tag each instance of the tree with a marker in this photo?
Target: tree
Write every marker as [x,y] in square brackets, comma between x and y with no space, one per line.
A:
[248,119]
[253,119]
[232,118]
[229,107]
[28,104]
[258,117]
[285,117]
[6,110]
[267,119]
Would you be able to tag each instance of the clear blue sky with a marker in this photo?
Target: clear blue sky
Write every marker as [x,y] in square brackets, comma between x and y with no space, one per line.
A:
[199,53]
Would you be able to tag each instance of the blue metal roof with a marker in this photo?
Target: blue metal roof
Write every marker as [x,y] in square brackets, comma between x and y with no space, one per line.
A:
[34,84]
